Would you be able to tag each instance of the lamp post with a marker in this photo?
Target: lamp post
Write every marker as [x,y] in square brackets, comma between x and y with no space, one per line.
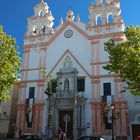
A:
[112,118]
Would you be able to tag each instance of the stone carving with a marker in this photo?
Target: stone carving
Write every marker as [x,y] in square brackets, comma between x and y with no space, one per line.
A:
[66,85]
[67,64]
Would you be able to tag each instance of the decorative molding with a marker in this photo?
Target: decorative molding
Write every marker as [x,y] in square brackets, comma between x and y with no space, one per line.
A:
[107,26]
[26,51]
[31,69]
[22,85]
[104,76]
[99,63]
[43,49]
[119,38]
[33,81]
[65,25]
[95,42]
[40,84]
[95,81]
[118,80]
[68,52]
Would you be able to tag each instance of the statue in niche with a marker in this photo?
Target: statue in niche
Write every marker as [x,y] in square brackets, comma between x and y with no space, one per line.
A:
[66,85]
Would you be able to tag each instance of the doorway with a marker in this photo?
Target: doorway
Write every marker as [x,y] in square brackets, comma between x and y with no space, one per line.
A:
[66,122]
[135,130]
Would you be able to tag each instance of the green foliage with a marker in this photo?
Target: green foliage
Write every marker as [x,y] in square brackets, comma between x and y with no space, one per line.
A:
[9,64]
[125,59]
[51,86]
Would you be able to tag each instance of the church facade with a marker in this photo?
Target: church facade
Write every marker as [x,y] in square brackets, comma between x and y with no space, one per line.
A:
[74,53]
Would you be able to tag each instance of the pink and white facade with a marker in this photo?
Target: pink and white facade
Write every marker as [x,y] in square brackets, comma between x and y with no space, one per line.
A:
[74,53]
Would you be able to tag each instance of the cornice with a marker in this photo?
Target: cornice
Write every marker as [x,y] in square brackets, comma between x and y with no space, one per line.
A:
[65,25]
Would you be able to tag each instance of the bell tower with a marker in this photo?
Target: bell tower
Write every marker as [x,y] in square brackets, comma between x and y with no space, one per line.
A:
[105,22]
[106,14]
[41,22]
[31,102]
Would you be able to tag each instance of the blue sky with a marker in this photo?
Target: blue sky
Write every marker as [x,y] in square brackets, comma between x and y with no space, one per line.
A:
[13,13]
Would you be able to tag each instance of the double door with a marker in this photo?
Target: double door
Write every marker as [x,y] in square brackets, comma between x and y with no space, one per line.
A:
[66,122]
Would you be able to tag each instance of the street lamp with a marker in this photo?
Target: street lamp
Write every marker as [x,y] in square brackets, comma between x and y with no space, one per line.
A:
[114,115]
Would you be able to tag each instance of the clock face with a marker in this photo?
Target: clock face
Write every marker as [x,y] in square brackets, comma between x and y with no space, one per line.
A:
[68,33]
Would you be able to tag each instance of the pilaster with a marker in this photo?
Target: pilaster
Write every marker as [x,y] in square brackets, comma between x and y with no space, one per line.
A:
[20,116]
[96,118]
[25,63]
[38,113]
[121,126]
[95,69]
[118,87]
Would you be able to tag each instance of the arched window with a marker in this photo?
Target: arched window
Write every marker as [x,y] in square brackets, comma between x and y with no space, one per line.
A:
[40,14]
[43,29]
[110,19]
[34,30]
[99,20]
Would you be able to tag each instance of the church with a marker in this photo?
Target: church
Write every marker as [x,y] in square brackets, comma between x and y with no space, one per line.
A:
[86,95]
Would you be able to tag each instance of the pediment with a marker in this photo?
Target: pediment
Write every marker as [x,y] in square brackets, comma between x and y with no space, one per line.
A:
[64,27]
[68,63]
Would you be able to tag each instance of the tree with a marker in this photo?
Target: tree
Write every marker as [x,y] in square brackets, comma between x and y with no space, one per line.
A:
[51,86]
[124,59]
[9,64]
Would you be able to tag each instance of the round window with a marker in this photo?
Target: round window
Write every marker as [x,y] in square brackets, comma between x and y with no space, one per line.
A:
[68,33]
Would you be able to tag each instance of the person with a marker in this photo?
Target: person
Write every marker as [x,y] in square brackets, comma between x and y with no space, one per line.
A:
[59,130]
[61,135]
[16,135]
[64,135]
[19,133]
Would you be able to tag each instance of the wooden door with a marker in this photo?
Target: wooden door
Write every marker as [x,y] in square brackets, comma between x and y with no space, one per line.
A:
[135,130]
[66,122]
